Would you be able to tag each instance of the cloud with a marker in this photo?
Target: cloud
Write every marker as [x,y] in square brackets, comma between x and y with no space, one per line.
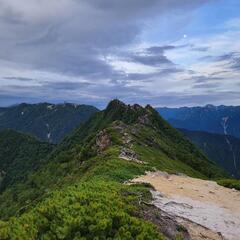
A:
[49,34]
[206,85]
[159,49]
[91,50]
[200,49]
[152,60]
[22,79]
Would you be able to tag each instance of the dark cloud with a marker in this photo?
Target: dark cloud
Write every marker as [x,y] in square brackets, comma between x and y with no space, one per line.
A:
[66,86]
[159,49]
[72,35]
[219,73]
[225,57]
[232,60]
[206,85]
[201,49]
[23,79]
[151,60]
[205,79]
[235,63]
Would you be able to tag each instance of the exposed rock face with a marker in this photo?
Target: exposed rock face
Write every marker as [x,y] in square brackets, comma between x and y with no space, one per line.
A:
[165,223]
[144,119]
[120,126]
[103,140]
[123,129]
[127,139]
[130,155]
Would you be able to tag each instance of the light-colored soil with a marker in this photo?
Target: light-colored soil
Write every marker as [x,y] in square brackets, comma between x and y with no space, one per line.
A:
[200,201]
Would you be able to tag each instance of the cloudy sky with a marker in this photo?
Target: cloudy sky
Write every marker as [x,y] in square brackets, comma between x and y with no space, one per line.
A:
[162,52]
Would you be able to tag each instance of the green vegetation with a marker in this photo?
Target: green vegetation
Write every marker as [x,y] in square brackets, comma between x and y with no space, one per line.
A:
[19,155]
[222,149]
[48,122]
[230,183]
[83,212]
[77,192]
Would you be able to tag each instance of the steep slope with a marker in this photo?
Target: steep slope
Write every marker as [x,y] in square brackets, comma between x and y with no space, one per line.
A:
[79,193]
[215,119]
[48,122]
[147,130]
[19,155]
[223,149]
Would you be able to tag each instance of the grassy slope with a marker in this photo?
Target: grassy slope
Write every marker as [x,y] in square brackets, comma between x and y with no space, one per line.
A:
[230,183]
[79,193]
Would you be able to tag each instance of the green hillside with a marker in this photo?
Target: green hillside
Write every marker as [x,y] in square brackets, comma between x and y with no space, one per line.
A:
[79,192]
[19,155]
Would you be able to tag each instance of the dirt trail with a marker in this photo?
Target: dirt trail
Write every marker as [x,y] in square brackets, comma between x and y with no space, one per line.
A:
[200,201]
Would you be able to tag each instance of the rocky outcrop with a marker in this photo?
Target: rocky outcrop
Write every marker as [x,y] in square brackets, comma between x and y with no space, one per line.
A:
[103,140]
[165,223]
[130,155]
[144,119]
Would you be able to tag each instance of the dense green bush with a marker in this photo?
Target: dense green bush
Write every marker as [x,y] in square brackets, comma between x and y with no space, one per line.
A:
[93,210]
[19,155]
[230,183]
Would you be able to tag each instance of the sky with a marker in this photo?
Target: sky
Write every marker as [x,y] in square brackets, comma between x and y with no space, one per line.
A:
[160,52]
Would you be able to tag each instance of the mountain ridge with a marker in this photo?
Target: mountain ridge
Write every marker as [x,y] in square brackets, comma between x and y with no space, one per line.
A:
[81,191]
[215,119]
[48,122]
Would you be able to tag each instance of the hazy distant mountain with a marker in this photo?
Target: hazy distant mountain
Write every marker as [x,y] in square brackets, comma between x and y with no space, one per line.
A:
[214,119]
[48,122]
[223,149]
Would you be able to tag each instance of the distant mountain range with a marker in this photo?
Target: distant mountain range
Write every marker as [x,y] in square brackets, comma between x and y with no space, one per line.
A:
[223,149]
[48,122]
[215,119]
[214,129]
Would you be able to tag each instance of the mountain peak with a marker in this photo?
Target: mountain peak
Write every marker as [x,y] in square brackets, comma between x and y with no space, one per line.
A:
[115,103]
[117,110]
[210,106]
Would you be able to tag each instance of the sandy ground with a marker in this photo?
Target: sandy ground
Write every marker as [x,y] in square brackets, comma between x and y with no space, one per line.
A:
[203,202]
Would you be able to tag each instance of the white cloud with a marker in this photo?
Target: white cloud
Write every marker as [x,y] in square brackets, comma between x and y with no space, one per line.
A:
[94,45]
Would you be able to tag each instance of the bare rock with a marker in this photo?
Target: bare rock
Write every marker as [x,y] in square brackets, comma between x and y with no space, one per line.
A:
[130,155]
[144,119]
[103,140]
